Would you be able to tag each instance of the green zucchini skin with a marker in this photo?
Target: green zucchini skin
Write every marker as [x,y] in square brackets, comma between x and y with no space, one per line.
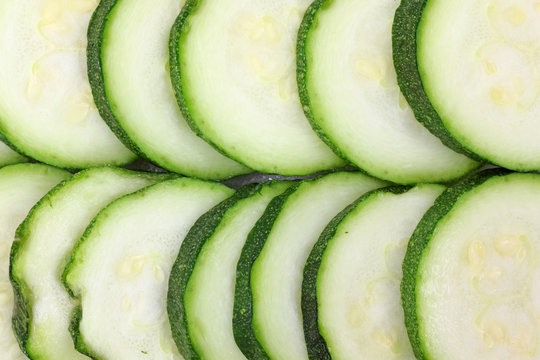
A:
[419,242]
[242,311]
[78,340]
[404,28]
[316,345]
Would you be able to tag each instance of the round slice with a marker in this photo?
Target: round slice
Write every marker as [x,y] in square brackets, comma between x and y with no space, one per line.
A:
[233,69]
[267,299]
[350,94]
[120,269]
[135,95]
[42,247]
[21,186]
[472,271]
[8,156]
[46,106]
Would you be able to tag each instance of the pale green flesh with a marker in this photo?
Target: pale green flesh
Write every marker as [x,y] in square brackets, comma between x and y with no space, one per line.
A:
[277,315]
[46,105]
[52,231]
[360,315]
[140,92]
[9,156]
[238,78]
[121,269]
[480,66]
[355,99]
[21,186]
[477,290]
[209,296]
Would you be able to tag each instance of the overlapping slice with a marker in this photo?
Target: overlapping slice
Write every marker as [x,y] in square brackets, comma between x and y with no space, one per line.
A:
[9,156]
[121,266]
[233,69]
[21,186]
[46,106]
[128,63]
[350,94]
[267,319]
[42,246]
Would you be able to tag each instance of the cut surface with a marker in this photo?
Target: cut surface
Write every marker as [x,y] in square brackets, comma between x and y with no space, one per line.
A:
[121,266]
[480,65]
[138,90]
[349,90]
[46,105]
[9,156]
[42,246]
[21,186]
[236,83]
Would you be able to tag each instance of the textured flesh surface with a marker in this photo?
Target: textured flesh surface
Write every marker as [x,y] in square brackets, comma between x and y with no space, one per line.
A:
[8,156]
[21,186]
[477,293]
[360,316]
[238,82]
[480,65]
[46,105]
[353,96]
[45,241]
[140,93]
[120,269]
[277,315]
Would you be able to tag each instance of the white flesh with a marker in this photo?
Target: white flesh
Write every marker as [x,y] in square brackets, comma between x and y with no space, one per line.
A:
[21,186]
[356,101]
[360,314]
[238,68]
[480,65]
[277,314]
[46,105]
[122,268]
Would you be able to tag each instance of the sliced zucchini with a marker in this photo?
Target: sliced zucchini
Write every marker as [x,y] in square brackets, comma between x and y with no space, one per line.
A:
[350,94]
[267,297]
[351,282]
[471,273]
[135,95]
[121,266]
[232,67]
[21,186]
[42,247]
[46,106]
[201,286]
[8,156]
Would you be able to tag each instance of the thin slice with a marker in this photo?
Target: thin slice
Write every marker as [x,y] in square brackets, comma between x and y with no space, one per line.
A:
[352,277]
[42,247]
[21,186]
[232,66]
[144,114]
[120,269]
[350,94]
[470,287]
[8,156]
[46,106]
[267,297]
[201,287]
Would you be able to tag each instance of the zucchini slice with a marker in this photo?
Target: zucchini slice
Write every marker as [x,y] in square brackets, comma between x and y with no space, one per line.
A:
[267,319]
[232,67]
[21,186]
[46,106]
[470,287]
[120,269]
[135,95]
[351,282]
[201,286]
[42,247]
[8,156]
[350,94]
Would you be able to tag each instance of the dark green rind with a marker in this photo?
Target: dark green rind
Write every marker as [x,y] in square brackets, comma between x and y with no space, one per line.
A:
[182,269]
[419,242]
[78,339]
[404,30]
[242,311]
[96,29]
[23,295]
[316,345]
